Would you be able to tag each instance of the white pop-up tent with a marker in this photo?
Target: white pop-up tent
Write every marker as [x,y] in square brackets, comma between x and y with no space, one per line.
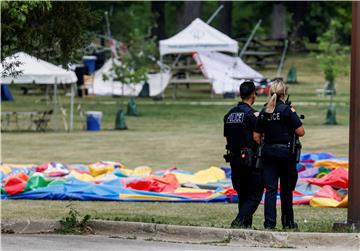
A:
[225,72]
[37,71]
[110,86]
[198,36]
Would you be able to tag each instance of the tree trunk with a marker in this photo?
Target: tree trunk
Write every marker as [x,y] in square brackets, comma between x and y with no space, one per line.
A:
[278,27]
[226,17]
[158,10]
[298,10]
[190,10]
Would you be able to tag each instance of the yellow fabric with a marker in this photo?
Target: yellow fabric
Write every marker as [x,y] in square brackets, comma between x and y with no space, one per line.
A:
[5,169]
[126,171]
[212,174]
[100,168]
[323,202]
[142,171]
[82,176]
[344,202]
[184,178]
[189,190]
[145,197]
[332,163]
[326,202]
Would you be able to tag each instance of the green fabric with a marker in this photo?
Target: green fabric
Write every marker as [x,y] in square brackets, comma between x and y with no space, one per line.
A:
[324,170]
[35,182]
[55,182]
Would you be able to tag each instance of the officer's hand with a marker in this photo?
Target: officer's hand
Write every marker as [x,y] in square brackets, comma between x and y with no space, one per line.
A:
[293,109]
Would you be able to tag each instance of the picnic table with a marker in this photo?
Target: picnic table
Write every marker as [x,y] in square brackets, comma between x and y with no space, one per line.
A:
[25,120]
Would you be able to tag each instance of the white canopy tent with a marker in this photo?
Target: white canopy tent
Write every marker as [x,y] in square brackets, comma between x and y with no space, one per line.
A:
[37,71]
[197,37]
[110,86]
[225,72]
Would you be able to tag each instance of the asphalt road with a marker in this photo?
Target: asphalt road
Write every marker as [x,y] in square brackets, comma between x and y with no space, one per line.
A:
[48,242]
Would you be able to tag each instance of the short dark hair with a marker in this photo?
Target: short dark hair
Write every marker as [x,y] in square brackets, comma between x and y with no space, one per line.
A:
[246,89]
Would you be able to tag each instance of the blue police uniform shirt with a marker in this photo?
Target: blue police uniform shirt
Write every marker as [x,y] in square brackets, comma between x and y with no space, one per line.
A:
[278,127]
[239,124]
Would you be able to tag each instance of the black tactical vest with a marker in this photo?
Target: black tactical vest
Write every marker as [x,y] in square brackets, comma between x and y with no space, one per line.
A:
[277,126]
[238,128]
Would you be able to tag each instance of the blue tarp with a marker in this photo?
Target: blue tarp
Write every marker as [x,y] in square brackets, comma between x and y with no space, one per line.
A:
[6,93]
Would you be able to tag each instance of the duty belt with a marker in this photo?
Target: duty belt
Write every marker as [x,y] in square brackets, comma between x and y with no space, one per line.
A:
[281,145]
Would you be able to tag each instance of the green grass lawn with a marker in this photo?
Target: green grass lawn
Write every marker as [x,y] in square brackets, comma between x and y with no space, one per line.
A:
[186,133]
[193,214]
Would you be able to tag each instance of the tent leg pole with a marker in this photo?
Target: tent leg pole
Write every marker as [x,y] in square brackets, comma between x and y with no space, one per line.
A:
[161,77]
[55,102]
[72,108]
[174,91]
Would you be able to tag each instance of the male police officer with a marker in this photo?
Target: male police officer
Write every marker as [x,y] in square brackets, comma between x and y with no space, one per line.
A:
[239,125]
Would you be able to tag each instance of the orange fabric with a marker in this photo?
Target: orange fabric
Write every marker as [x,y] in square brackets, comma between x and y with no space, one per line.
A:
[332,163]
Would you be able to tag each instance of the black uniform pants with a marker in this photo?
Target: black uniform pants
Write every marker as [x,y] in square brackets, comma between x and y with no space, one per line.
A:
[249,187]
[274,170]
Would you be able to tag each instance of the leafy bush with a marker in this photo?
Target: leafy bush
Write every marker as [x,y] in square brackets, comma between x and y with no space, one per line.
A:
[332,54]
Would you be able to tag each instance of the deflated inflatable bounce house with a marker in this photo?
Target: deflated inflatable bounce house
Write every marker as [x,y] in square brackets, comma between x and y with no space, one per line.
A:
[323,182]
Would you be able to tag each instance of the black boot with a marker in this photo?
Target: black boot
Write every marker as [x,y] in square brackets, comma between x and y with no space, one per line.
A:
[238,223]
[288,223]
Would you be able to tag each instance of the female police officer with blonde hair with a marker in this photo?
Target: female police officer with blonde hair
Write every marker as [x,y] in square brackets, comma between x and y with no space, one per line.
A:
[277,124]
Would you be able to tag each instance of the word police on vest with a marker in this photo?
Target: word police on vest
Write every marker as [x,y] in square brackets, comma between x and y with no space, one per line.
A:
[274,116]
[235,117]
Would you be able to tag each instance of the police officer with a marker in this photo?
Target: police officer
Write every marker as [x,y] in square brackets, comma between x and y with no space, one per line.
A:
[277,124]
[239,125]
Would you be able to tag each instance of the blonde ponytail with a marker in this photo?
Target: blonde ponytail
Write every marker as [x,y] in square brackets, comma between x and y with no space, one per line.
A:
[278,90]
[270,106]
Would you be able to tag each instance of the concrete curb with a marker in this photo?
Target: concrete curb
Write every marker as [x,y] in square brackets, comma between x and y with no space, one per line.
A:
[190,234]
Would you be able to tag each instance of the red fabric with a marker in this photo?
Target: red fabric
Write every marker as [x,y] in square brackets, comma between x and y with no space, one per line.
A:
[42,167]
[297,193]
[328,192]
[301,169]
[140,185]
[229,191]
[337,178]
[308,161]
[15,184]
[300,201]
[165,183]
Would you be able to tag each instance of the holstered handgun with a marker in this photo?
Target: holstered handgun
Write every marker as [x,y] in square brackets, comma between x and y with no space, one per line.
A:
[228,154]
[296,145]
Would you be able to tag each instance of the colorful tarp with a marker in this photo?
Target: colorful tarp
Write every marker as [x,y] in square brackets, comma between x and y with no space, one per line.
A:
[321,182]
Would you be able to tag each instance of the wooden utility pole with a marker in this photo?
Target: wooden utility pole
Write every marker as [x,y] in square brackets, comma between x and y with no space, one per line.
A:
[354,139]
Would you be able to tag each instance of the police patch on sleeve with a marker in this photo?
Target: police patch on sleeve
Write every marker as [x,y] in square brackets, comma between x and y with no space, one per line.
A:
[235,117]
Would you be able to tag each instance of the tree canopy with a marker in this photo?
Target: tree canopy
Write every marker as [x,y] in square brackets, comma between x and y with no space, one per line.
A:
[54,30]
